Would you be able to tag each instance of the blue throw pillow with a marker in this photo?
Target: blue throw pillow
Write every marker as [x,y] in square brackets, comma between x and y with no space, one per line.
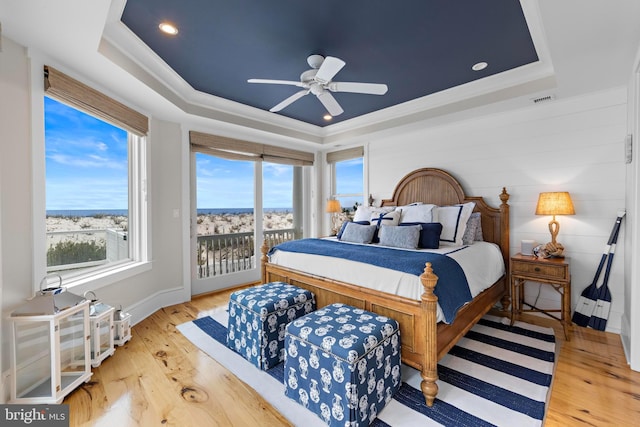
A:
[429,235]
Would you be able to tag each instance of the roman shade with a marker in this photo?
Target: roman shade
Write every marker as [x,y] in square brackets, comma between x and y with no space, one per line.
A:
[237,149]
[85,98]
[346,154]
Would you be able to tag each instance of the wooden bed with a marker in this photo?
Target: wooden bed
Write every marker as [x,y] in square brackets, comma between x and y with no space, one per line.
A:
[424,341]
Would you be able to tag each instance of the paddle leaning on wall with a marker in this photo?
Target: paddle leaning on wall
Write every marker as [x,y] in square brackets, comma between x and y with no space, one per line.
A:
[594,304]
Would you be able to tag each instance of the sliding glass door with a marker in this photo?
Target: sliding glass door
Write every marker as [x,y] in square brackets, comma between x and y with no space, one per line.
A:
[238,205]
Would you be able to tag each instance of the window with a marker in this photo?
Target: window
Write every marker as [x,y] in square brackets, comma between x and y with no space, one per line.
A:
[225,215]
[95,171]
[227,172]
[281,195]
[347,178]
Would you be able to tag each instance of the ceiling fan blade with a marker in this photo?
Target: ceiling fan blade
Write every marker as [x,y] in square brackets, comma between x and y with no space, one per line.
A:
[289,100]
[330,104]
[369,88]
[329,68]
[277,82]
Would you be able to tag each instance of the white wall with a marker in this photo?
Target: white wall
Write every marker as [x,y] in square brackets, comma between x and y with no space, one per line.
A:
[15,171]
[630,331]
[574,145]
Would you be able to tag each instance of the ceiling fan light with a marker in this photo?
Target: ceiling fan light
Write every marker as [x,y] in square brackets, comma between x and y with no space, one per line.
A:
[327,117]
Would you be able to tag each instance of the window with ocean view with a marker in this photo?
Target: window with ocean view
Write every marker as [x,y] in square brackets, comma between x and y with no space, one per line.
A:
[225,211]
[88,191]
[347,178]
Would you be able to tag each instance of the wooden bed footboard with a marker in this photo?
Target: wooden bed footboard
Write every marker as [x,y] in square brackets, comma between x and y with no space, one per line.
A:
[424,340]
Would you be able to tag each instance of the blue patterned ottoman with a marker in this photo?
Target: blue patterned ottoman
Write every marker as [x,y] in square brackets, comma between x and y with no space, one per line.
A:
[342,363]
[257,320]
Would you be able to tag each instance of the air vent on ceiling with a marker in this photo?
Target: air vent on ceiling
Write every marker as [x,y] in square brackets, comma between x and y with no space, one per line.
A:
[544,98]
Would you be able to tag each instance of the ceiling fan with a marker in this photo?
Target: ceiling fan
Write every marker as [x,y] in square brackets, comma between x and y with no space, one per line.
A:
[318,81]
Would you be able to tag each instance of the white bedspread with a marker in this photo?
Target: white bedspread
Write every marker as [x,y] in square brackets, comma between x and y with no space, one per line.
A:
[481,262]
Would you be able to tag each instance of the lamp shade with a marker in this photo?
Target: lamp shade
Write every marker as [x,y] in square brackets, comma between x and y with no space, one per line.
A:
[333,206]
[555,203]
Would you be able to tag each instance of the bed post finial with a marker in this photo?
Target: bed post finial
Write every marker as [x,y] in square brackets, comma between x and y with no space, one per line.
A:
[504,244]
[429,372]
[263,260]
[504,196]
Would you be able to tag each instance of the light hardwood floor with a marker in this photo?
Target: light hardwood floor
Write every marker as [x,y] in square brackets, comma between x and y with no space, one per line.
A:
[159,378]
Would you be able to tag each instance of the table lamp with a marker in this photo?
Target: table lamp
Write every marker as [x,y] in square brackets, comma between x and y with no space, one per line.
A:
[333,207]
[554,203]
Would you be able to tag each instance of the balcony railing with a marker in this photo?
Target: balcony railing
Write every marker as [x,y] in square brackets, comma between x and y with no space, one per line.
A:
[217,254]
[229,253]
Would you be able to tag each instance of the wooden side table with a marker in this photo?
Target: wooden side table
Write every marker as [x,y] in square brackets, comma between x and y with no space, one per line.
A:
[549,271]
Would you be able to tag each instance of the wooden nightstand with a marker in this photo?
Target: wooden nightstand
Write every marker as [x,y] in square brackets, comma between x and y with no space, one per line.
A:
[549,271]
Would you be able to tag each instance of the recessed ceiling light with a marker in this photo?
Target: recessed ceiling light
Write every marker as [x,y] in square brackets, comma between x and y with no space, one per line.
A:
[327,117]
[479,66]
[168,28]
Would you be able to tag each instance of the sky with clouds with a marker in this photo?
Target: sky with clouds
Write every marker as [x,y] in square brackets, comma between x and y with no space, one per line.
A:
[86,168]
[86,160]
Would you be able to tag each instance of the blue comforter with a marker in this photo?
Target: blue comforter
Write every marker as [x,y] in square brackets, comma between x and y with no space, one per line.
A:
[452,289]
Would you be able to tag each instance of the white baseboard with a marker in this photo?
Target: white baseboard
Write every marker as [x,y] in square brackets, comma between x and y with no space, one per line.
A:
[146,307]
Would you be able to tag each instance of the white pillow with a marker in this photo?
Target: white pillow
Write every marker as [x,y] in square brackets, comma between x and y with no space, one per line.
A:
[363,213]
[387,218]
[454,221]
[416,213]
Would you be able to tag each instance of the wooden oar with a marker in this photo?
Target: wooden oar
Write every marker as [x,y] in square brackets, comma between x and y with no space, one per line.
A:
[598,319]
[587,301]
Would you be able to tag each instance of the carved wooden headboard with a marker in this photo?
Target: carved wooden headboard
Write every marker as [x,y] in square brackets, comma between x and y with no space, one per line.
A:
[430,185]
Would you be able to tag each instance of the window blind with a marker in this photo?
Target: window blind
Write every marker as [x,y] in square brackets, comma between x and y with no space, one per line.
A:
[237,149]
[346,154]
[83,97]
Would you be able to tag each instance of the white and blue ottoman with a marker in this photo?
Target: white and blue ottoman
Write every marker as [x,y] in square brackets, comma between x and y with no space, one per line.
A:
[342,363]
[257,320]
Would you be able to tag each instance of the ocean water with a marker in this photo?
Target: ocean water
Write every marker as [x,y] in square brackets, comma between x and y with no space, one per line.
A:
[123,212]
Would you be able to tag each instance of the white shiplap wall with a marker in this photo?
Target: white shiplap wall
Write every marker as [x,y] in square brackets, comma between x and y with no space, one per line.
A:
[574,145]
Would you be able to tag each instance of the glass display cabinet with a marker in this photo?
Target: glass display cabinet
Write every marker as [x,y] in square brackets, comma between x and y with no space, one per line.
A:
[50,354]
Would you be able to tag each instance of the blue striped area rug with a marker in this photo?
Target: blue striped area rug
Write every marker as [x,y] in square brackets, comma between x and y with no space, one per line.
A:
[496,375]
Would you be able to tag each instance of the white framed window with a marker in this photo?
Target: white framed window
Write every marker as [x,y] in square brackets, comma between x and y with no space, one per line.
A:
[347,178]
[95,159]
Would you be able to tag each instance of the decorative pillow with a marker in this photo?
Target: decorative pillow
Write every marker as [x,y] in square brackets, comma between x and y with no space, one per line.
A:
[416,213]
[479,236]
[358,233]
[454,222]
[386,218]
[400,237]
[344,225]
[380,218]
[429,234]
[472,227]
[364,213]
